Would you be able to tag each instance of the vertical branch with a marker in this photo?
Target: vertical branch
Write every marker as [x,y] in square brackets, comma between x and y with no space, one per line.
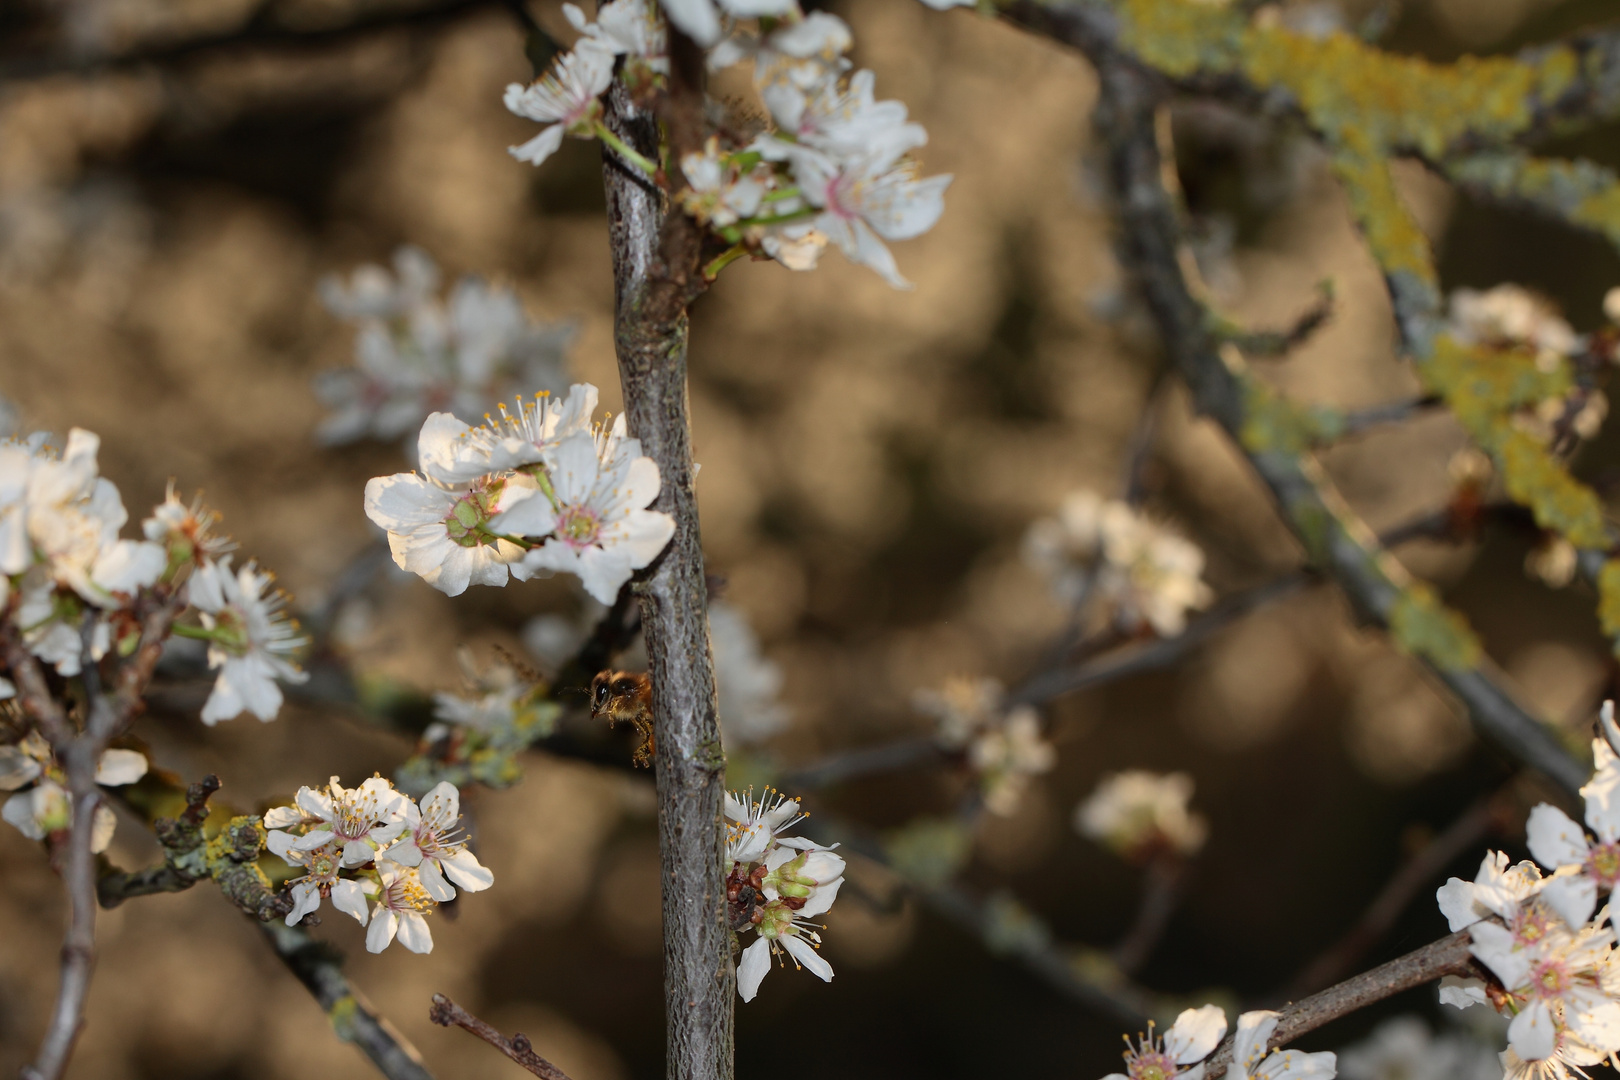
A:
[654,267]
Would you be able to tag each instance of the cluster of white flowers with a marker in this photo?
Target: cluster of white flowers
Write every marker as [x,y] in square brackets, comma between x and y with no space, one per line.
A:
[1004,745]
[1545,939]
[400,855]
[1403,1048]
[71,582]
[1104,551]
[1180,1052]
[835,169]
[539,491]
[41,805]
[1139,815]
[776,885]
[416,353]
[1510,316]
[478,735]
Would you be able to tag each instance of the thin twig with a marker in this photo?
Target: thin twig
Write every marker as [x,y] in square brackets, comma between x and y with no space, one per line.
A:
[850,764]
[447,1013]
[320,969]
[1420,870]
[1160,894]
[1394,413]
[1282,342]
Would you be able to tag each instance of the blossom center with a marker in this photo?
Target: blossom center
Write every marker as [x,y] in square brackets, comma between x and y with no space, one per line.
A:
[1604,863]
[231,632]
[1551,980]
[1151,1065]
[407,894]
[579,526]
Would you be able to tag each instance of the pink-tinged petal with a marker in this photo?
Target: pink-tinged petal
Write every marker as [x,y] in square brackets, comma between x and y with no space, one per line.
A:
[466,871]
[384,924]
[349,898]
[414,933]
[1554,839]
[1195,1033]
[754,966]
[805,953]
[1574,898]
[1533,1034]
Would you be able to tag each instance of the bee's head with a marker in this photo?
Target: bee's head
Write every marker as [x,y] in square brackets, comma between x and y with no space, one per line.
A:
[601,691]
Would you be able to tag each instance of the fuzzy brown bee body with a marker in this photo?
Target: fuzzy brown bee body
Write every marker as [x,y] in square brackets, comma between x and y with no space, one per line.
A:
[626,697]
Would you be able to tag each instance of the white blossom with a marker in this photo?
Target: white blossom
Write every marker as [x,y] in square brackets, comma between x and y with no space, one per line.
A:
[432,843]
[416,354]
[361,820]
[441,531]
[1251,1062]
[756,824]
[701,20]
[1585,870]
[803,52]
[1006,756]
[401,903]
[780,931]
[567,98]
[719,192]
[319,880]
[1180,1052]
[1403,1048]
[41,804]
[1553,976]
[866,191]
[595,518]
[1142,573]
[1137,814]
[629,28]
[185,532]
[746,682]
[804,872]
[1498,889]
[250,640]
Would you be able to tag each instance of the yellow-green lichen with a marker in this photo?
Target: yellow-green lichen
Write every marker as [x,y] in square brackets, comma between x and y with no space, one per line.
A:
[1608,583]
[1273,423]
[342,1014]
[1422,625]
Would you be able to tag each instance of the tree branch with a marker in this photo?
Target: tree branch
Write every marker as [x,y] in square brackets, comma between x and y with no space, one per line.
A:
[1448,956]
[320,969]
[447,1013]
[655,266]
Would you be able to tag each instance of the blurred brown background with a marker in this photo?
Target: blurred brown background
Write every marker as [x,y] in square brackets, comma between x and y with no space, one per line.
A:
[871,459]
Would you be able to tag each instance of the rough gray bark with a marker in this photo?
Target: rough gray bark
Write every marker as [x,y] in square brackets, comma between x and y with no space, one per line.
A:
[652,267]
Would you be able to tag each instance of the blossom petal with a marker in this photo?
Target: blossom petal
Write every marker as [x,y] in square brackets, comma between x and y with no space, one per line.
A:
[414,933]
[384,925]
[805,953]
[542,146]
[1457,904]
[751,971]
[466,871]
[433,881]
[1554,839]
[1573,898]
[1195,1034]
[1533,1034]
[349,898]
[119,767]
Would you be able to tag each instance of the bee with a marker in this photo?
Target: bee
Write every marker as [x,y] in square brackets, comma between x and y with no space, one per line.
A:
[626,696]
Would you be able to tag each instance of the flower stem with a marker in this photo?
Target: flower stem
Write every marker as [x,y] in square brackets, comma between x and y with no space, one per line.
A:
[196,633]
[626,151]
[723,260]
